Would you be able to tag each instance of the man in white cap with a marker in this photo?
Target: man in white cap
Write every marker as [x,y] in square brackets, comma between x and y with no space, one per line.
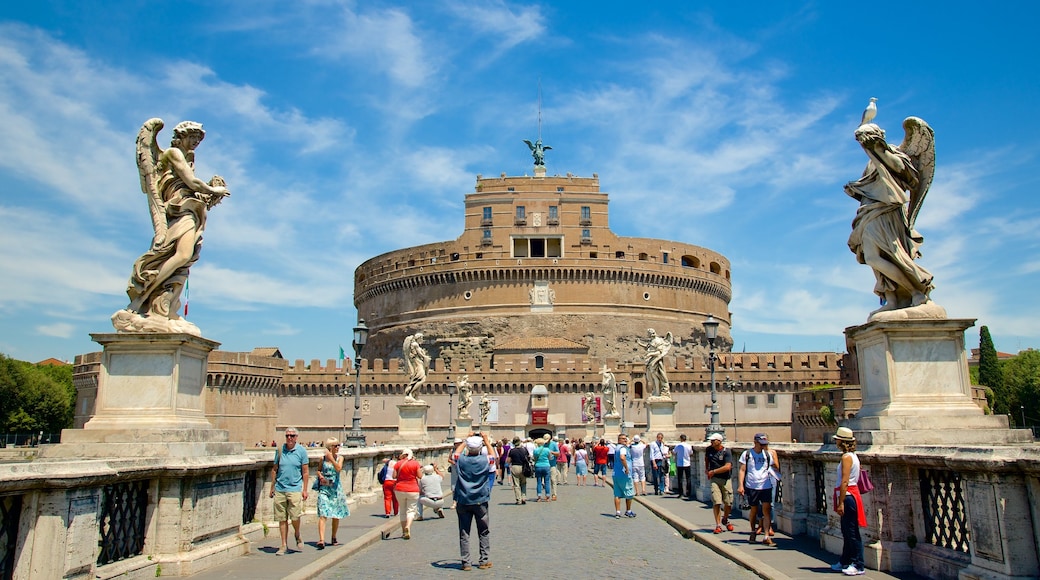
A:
[718,464]
[759,468]
[472,496]
[430,493]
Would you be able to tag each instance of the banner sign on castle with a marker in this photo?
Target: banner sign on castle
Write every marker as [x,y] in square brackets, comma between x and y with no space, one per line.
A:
[539,416]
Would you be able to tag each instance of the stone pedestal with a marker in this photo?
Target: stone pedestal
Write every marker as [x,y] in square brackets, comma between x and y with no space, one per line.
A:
[590,431]
[149,402]
[660,417]
[611,427]
[411,423]
[463,427]
[916,389]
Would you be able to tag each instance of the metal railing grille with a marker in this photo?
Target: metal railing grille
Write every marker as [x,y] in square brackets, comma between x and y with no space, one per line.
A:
[249,497]
[10,512]
[122,521]
[945,521]
[819,488]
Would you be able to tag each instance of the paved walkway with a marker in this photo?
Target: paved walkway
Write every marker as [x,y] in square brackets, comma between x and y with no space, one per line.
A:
[791,558]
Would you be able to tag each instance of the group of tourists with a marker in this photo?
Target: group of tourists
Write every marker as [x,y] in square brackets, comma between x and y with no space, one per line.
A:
[477,463]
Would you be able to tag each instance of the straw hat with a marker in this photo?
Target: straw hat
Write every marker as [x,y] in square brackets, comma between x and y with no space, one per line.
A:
[844,434]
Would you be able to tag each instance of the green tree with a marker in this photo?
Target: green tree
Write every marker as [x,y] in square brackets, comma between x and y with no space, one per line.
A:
[1022,380]
[34,398]
[990,374]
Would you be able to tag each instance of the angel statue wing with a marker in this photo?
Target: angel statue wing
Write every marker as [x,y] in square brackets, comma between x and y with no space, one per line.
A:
[919,144]
[668,339]
[407,348]
[148,154]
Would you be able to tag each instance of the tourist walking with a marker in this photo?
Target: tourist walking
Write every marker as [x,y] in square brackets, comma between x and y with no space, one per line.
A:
[431,494]
[543,460]
[554,470]
[332,502]
[623,488]
[519,467]
[406,490]
[564,460]
[682,453]
[471,497]
[289,473]
[759,468]
[718,466]
[637,465]
[581,464]
[849,505]
[390,506]
[599,465]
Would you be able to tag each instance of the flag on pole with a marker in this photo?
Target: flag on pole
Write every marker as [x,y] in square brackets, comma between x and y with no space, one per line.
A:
[342,355]
[185,298]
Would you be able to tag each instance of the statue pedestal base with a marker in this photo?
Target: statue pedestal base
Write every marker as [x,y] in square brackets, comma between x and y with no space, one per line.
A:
[463,427]
[590,432]
[660,417]
[149,401]
[611,427]
[411,423]
[916,387]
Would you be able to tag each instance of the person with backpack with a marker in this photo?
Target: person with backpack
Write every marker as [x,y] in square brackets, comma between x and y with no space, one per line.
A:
[759,469]
[520,469]
[386,477]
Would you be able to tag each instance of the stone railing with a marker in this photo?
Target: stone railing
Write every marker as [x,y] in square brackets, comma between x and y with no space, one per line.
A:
[152,516]
[939,511]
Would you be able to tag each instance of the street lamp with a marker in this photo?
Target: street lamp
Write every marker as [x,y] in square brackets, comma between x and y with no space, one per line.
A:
[622,388]
[732,386]
[711,330]
[451,412]
[1021,407]
[356,437]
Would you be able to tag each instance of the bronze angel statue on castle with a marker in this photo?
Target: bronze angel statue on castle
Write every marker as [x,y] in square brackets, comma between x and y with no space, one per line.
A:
[177,202]
[891,192]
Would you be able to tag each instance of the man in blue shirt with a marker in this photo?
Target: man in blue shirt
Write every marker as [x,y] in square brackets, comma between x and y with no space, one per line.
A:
[289,474]
[472,496]
[623,487]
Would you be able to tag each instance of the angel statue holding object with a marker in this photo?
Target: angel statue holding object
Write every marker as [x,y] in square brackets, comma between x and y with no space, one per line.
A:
[465,397]
[485,408]
[890,193]
[656,349]
[418,362]
[608,385]
[178,202]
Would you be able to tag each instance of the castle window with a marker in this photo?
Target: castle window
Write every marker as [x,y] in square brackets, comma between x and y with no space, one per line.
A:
[539,361]
[664,257]
[510,189]
[487,233]
[771,400]
[593,254]
[690,262]
[619,255]
[644,256]
[486,220]
[586,215]
[586,236]
[560,188]
[751,401]
[521,212]
[554,215]
[715,268]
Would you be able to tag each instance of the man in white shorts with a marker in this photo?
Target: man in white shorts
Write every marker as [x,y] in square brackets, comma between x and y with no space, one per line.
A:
[636,466]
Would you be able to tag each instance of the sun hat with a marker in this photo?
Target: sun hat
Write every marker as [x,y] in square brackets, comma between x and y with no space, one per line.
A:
[844,434]
[427,469]
[715,437]
[474,442]
[762,438]
[406,453]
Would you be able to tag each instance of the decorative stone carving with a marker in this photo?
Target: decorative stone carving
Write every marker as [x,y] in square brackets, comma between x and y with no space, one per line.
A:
[178,202]
[418,362]
[485,408]
[590,408]
[656,349]
[537,151]
[891,193]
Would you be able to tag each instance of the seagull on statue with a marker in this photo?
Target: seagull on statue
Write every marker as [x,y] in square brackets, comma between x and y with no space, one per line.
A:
[870,112]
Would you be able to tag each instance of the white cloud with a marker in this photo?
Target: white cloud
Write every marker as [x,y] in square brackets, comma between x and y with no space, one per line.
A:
[57,330]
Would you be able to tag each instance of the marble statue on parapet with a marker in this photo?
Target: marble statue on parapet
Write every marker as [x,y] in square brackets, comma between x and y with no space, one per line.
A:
[418,363]
[656,349]
[890,193]
[590,407]
[538,151]
[609,386]
[485,408]
[465,397]
[177,203]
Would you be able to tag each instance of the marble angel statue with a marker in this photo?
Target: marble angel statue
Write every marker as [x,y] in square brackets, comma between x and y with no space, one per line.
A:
[890,193]
[177,202]
[609,387]
[465,397]
[418,362]
[656,349]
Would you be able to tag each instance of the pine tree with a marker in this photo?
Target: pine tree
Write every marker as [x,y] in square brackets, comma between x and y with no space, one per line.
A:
[990,374]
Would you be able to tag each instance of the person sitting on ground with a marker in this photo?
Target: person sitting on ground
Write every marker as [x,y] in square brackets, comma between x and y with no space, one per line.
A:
[430,493]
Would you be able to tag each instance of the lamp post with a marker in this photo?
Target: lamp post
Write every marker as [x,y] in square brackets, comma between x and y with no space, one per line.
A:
[711,330]
[451,412]
[622,388]
[732,386]
[356,437]
[1021,407]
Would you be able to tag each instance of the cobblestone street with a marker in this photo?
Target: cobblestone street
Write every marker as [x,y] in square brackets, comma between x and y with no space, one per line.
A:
[576,537]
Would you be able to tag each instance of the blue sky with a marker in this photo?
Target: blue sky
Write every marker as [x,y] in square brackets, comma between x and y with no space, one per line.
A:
[348,129]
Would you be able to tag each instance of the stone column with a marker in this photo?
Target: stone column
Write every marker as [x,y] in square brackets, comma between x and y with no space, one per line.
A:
[798,488]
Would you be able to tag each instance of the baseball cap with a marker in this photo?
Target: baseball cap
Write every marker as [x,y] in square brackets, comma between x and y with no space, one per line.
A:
[715,437]
[635,438]
[474,442]
[762,438]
